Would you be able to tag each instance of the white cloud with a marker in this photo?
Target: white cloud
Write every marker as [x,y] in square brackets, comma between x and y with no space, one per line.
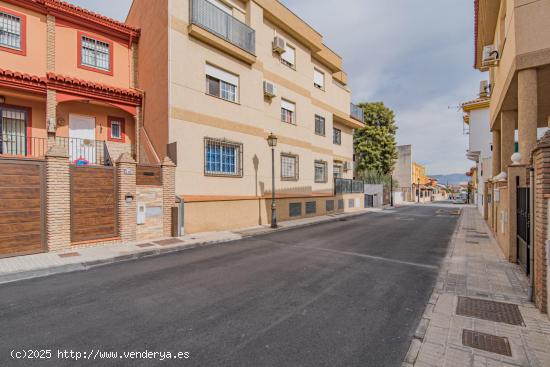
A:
[415,55]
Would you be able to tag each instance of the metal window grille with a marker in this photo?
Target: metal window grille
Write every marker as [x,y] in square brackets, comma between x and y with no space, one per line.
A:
[337,136]
[337,171]
[311,207]
[10,31]
[222,89]
[13,131]
[329,205]
[340,204]
[295,209]
[96,54]
[351,203]
[319,125]
[115,130]
[347,186]
[222,158]
[208,16]
[320,171]
[289,167]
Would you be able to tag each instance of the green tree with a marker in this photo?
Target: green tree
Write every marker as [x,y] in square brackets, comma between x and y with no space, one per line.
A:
[375,144]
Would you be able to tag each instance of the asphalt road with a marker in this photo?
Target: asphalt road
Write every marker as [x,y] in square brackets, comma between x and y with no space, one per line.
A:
[344,293]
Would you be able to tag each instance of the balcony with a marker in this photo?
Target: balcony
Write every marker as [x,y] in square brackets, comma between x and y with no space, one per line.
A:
[347,186]
[357,113]
[208,17]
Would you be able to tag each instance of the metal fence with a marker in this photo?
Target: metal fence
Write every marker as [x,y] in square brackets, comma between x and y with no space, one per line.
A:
[215,20]
[85,151]
[348,186]
[357,112]
[22,146]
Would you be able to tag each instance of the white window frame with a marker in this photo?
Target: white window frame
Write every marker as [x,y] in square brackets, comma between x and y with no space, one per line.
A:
[288,111]
[337,170]
[228,83]
[222,6]
[285,57]
[336,133]
[289,157]
[11,21]
[321,118]
[318,79]
[95,51]
[325,165]
[119,124]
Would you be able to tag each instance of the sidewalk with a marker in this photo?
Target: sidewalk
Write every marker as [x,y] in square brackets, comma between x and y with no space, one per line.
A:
[78,259]
[475,273]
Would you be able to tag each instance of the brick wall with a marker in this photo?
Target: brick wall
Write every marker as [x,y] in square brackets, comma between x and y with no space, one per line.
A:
[50,39]
[58,203]
[541,163]
[126,187]
[169,193]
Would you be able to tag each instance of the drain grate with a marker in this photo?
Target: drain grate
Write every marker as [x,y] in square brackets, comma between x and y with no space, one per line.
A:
[168,242]
[472,242]
[486,342]
[489,310]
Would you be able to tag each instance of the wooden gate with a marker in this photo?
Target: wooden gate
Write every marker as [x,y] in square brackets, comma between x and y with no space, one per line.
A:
[22,197]
[93,203]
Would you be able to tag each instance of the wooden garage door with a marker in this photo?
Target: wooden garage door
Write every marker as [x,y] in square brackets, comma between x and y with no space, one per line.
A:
[21,207]
[93,203]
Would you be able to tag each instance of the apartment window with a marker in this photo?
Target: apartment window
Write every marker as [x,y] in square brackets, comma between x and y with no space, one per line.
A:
[337,136]
[288,112]
[320,171]
[11,31]
[289,56]
[222,84]
[222,158]
[319,125]
[289,167]
[319,79]
[95,53]
[337,171]
[116,129]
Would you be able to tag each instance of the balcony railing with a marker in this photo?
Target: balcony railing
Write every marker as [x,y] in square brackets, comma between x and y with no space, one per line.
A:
[85,151]
[22,146]
[208,16]
[357,113]
[347,186]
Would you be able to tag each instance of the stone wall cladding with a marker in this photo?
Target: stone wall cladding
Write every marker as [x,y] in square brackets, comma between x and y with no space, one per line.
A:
[117,149]
[126,186]
[152,197]
[541,163]
[58,203]
[169,193]
[50,29]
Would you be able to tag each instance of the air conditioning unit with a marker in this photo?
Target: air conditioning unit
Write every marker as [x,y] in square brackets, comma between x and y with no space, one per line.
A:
[270,90]
[279,45]
[484,88]
[348,166]
[490,56]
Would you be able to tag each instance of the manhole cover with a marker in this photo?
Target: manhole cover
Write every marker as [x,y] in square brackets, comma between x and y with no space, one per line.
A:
[489,310]
[167,242]
[486,342]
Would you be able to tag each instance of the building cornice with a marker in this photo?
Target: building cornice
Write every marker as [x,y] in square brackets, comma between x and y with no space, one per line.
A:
[23,82]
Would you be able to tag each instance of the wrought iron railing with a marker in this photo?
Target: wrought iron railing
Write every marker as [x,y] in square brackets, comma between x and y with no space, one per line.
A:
[208,16]
[84,151]
[357,112]
[348,186]
[22,146]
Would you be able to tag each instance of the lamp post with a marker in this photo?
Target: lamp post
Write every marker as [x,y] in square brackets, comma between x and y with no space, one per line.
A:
[272,142]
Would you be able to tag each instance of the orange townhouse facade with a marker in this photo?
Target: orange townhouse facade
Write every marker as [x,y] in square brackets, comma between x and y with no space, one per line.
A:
[67,78]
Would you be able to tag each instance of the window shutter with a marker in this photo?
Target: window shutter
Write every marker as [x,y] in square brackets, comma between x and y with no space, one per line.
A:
[289,55]
[222,75]
[288,105]
[319,78]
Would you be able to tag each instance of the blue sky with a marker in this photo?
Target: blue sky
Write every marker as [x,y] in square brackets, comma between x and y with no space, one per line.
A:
[414,55]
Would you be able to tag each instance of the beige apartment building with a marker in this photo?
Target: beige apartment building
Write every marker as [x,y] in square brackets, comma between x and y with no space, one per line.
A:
[220,76]
[513,45]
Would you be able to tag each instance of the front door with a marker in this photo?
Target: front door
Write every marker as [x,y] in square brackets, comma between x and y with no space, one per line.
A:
[13,131]
[82,149]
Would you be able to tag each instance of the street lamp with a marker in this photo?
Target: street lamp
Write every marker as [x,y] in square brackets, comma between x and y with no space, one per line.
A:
[272,142]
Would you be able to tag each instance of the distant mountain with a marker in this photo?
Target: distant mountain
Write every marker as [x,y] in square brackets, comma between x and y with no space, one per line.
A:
[452,179]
